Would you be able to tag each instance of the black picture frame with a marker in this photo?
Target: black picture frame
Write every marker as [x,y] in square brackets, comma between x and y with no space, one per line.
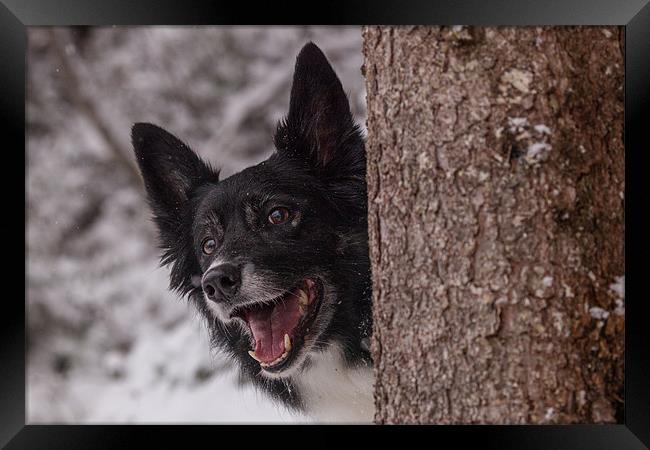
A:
[634,15]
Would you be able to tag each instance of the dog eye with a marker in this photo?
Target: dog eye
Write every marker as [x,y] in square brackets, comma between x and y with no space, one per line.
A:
[278,216]
[208,246]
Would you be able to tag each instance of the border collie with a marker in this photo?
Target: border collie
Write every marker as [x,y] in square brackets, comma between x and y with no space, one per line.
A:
[275,257]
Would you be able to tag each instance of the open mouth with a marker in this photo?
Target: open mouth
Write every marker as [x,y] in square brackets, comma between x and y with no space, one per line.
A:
[279,328]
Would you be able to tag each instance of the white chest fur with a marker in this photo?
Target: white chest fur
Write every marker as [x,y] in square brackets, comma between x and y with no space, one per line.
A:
[334,393]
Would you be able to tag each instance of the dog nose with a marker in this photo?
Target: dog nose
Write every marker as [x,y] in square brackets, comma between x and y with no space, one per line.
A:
[221,282]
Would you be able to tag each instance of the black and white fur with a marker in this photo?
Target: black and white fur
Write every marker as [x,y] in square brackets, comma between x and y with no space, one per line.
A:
[318,174]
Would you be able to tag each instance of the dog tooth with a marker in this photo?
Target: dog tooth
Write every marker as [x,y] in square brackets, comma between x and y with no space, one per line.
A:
[254,356]
[287,343]
[308,297]
[304,298]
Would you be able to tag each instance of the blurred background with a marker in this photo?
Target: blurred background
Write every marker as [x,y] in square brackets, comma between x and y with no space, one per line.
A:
[107,343]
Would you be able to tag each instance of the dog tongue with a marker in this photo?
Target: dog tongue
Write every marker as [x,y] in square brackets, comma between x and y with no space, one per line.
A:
[270,324]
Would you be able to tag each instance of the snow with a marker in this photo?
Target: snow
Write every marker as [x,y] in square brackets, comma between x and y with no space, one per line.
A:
[618,288]
[598,313]
[550,414]
[537,148]
[516,124]
[107,341]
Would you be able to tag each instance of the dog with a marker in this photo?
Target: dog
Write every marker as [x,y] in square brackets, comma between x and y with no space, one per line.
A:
[275,257]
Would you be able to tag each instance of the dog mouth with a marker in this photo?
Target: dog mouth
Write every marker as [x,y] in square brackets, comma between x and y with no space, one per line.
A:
[279,327]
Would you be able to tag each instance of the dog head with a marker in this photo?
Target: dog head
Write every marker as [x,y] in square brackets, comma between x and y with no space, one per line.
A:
[276,255]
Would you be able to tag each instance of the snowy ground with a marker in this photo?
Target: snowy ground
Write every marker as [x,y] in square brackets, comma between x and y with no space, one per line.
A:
[107,342]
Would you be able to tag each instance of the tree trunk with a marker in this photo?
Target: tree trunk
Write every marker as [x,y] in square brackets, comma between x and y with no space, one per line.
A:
[495,184]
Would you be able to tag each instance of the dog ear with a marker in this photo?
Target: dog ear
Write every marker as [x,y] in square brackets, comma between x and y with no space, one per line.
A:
[170,169]
[319,124]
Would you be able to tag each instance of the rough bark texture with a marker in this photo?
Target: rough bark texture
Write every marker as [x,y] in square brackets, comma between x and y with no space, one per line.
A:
[495,183]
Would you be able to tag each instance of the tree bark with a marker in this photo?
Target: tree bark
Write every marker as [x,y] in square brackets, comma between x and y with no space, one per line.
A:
[495,184]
